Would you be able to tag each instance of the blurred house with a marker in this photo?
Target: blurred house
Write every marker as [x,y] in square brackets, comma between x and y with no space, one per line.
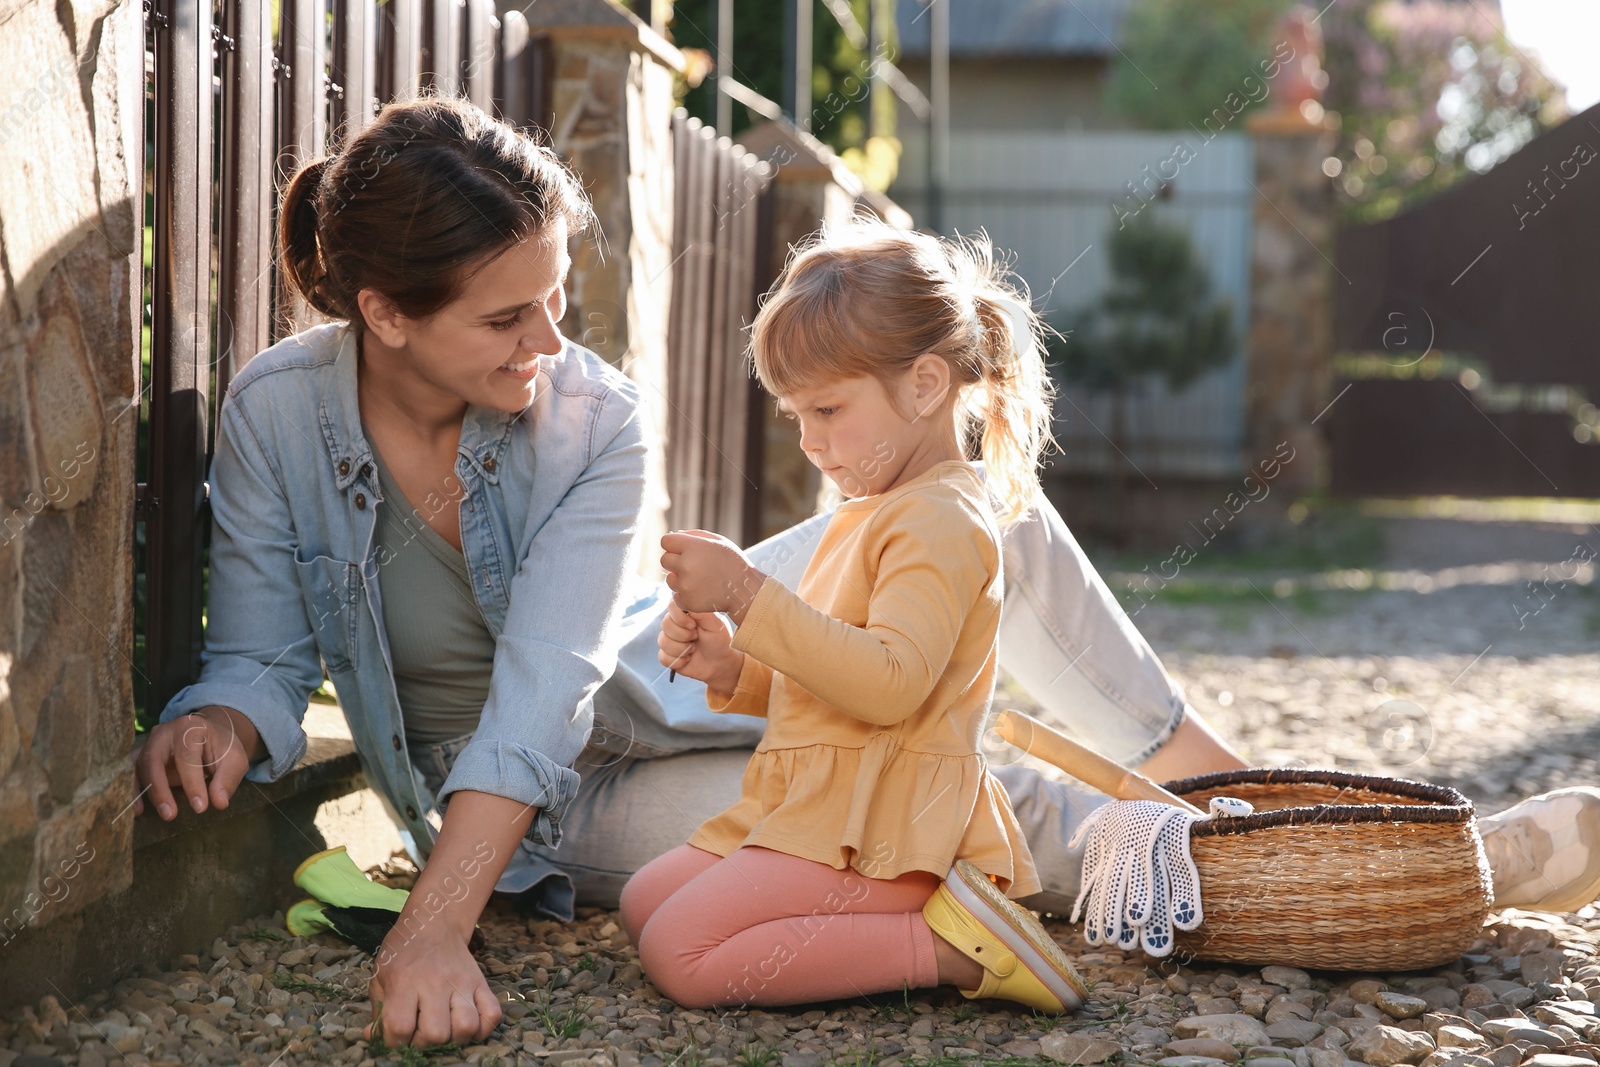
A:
[1019,64]
[1039,164]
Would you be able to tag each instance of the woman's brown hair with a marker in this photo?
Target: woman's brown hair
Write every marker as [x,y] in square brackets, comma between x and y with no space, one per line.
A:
[416,203]
[866,299]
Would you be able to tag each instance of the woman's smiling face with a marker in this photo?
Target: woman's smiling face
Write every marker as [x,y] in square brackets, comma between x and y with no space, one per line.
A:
[484,347]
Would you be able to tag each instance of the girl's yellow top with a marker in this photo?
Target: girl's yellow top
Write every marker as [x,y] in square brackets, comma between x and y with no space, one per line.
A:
[875,677]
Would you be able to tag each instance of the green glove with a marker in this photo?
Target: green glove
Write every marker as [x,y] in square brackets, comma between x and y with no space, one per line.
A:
[333,878]
[343,901]
[363,927]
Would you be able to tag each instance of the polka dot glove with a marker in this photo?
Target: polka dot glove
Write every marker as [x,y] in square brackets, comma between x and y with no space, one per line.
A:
[1140,884]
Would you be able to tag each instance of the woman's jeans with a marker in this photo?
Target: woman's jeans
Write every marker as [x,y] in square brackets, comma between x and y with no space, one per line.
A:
[659,763]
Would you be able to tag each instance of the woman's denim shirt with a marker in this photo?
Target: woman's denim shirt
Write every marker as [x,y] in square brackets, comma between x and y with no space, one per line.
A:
[549,505]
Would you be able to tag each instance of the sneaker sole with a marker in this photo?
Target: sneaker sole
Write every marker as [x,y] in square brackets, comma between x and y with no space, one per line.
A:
[1022,933]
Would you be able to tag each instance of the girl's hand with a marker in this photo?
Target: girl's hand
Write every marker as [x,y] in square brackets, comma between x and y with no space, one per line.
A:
[707,572]
[697,644]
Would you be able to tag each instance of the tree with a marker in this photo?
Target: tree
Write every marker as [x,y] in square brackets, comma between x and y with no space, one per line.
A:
[1422,93]
[1425,94]
[1179,59]
[1156,318]
[840,72]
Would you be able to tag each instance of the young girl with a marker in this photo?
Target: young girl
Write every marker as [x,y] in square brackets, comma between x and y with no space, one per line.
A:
[871,848]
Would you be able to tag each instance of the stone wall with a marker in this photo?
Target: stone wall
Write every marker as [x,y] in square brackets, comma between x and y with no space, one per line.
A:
[70,145]
[613,123]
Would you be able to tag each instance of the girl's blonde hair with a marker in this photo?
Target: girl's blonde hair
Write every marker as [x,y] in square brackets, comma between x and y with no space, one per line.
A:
[868,298]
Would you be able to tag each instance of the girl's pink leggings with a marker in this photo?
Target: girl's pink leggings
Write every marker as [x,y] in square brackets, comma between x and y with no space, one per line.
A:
[764,928]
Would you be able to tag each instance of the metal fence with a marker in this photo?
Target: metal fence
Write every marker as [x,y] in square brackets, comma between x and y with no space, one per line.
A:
[234,105]
[1052,207]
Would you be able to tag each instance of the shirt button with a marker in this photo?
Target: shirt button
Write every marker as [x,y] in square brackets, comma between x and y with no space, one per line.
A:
[344,467]
[361,502]
[396,740]
[488,464]
[411,813]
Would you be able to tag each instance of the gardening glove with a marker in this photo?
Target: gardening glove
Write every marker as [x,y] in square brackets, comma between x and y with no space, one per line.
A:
[1140,884]
[343,900]
[364,928]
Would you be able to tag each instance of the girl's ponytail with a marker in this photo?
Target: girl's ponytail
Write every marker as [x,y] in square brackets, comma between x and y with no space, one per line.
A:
[867,298]
[299,260]
[1011,408]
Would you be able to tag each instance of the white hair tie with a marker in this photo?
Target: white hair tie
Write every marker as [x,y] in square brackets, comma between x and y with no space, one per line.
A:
[1024,344]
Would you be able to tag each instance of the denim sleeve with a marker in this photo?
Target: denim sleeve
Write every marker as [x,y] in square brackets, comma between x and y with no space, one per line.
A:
[562,632]
[260,656]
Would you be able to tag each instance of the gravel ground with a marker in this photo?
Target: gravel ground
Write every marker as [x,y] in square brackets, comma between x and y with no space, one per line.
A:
[1458,672]
[1483,673]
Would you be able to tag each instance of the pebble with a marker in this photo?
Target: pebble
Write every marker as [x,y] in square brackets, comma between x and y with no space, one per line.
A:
[1208,1047]
[1288,977]
[1399,1006]
[1235,1029]
[1078,1048]
[1542,967]
[1388,1046]
[1365,990]
[1460,1037]
[1294,1032]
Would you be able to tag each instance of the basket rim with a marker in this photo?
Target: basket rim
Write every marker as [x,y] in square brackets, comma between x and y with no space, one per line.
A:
[1447,805]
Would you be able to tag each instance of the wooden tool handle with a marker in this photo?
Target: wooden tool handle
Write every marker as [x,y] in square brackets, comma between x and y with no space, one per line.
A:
[1084,764]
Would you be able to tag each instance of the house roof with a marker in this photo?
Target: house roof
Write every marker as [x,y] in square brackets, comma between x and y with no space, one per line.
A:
[993,28]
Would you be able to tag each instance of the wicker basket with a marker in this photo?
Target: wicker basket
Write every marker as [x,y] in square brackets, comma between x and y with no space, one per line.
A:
[1336,871]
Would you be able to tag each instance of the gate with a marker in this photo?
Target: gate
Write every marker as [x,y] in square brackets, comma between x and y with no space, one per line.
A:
[1468,329]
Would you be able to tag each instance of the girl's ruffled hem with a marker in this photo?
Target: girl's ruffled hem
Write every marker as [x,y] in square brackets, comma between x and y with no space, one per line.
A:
[905,811]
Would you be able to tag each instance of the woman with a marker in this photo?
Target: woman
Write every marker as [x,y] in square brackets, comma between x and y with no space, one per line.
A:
[438,502]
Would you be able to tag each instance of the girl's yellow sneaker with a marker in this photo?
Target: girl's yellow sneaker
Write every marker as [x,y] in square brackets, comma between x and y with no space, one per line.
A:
[1021,962]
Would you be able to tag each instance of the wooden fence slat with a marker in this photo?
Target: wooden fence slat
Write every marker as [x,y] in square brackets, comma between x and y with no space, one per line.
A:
[405,74]
[680,356]
[713,423]
[761,278]
[480,48]
[246,194]
[441,36]
[354,64]
[302,120]
[510,91]
[180,343]
[383,53]
[677,318]
[742,302]
[732,425]
[303,49]
[696,266]
[539,77]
